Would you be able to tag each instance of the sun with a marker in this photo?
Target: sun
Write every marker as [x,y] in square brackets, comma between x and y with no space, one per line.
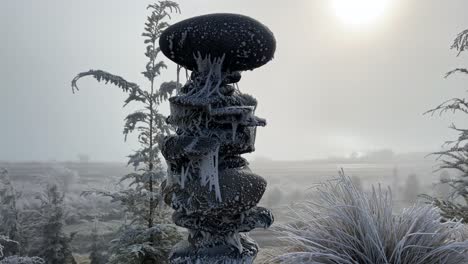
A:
[359,12]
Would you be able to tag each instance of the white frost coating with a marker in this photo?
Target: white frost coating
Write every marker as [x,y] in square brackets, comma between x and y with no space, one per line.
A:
[209,172]
[178,79]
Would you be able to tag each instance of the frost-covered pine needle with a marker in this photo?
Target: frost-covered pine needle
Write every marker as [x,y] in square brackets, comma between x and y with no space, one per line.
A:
[348,226]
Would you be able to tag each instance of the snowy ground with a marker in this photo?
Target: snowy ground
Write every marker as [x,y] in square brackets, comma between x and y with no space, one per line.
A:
[288,183]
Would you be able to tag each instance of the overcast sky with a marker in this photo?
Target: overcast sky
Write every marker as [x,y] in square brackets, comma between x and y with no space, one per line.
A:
[332,88]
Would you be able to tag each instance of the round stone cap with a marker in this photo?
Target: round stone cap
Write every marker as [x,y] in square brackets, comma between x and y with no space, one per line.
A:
[244,42]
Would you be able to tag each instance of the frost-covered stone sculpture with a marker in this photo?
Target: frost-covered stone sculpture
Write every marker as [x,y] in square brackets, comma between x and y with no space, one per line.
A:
[210,185]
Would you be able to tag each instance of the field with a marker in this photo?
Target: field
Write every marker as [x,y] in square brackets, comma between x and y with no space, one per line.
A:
[289,182]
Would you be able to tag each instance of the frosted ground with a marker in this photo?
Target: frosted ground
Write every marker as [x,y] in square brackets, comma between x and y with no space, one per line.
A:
[289,182]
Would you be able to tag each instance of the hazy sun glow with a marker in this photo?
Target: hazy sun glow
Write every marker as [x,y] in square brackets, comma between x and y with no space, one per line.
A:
[359,12]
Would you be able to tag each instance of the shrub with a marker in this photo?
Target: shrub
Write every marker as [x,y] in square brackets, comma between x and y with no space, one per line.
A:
[15,259]
[22,260]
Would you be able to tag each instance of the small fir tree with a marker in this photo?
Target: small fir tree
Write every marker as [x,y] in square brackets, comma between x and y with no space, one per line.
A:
[22,260]
[54,244]
[147,238]
[5,243]
[9,215]
[97,255]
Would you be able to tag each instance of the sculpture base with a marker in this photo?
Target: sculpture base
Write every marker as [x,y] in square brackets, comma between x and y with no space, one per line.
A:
[185,253]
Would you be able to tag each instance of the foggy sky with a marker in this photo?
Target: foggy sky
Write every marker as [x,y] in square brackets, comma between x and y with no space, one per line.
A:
[330,90]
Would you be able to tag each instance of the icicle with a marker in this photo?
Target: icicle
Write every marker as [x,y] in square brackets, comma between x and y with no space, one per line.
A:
[209,172]
[234,130]
[183,175]
[178,79]
[182,178]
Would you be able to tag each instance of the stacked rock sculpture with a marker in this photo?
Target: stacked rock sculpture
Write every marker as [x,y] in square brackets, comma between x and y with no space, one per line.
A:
[210,186]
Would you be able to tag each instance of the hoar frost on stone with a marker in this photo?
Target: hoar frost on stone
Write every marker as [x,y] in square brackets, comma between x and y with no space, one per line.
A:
[211,188]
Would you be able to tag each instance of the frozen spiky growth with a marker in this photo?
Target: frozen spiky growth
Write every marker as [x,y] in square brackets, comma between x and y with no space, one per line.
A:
[210,185]
[348,226]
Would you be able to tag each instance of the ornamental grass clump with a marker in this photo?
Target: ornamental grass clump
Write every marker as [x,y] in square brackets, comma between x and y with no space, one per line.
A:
[348,226]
